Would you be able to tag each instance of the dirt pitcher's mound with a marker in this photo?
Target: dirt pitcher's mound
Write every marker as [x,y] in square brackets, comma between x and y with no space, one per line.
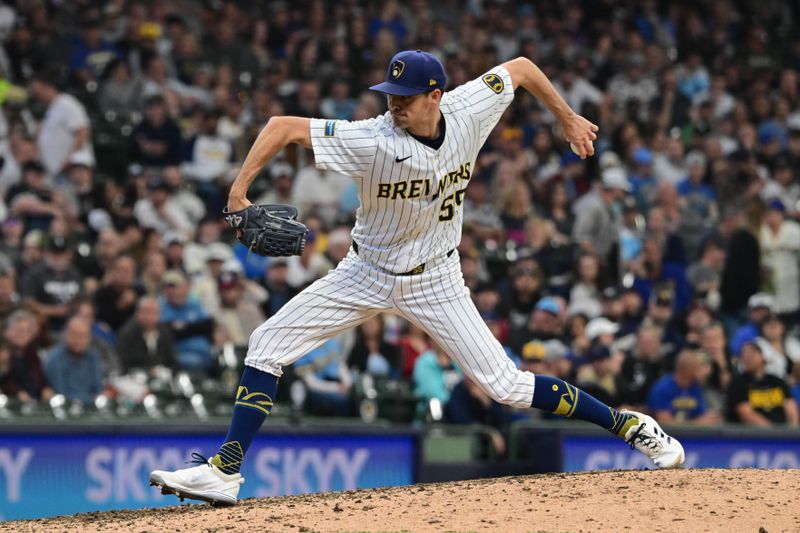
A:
[669,501]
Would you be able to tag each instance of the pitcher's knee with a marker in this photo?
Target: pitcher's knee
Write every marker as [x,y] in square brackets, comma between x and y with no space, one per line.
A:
[263,352]
[514,387]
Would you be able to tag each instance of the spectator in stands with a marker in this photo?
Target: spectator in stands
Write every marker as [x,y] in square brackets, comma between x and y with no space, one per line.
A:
[523,290]
[557,209]
[281,176]
[705,274]
[91,53]
[157,139]
[52,286]
[120,92]
[31,255]
[144,342]
[585,294]
[155,266]
[644,185]
[85,194]
[651,270]
[173,244]
[757,398]
[182,194]
[699,210]
[545,323]
[780,249]
[103,337]
[159,211]
[116,300]
[278,289]
[633,85]
[32,200]
[25,376]
[642,366]
[659,315]
[662,225]
[602,376]
[596,224]
[698,318]
[783,186]
[742,272]
[712,343]
[304,269]
[11,233]
[633,312]
[781,351]
[237,316]
[678,397]
[65,129]
[189,322]
[413,343]
[208,159]
[759,307]
[327,380]
[371,353]
[205,285]
[434,378]
[468,404]
[73,368]
[106,250]
[9,297]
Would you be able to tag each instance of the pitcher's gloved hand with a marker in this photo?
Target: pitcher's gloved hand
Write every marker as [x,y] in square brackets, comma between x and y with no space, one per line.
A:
[268,230]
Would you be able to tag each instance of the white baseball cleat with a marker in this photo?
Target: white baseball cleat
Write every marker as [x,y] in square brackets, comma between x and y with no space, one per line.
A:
[205,482]
[650,439]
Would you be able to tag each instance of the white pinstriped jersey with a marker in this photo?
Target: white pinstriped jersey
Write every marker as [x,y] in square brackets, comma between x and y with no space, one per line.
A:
[411,194]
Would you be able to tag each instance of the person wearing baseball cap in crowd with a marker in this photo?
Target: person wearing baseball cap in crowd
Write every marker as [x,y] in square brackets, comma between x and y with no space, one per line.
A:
[50,287]
[659,315]
[281,182]
[759,307]
[544,323]
[601,377]
[644,185]
[236,317]
[596,223]
[783,184]
[601,331]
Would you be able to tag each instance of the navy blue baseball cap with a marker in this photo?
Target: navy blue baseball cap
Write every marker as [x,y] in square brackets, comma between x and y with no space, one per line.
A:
[412,72]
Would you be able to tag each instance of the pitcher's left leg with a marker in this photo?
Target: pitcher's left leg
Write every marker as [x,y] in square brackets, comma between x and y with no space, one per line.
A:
[443,308]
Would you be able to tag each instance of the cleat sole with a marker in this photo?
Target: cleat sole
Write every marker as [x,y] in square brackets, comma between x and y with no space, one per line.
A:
[183,495]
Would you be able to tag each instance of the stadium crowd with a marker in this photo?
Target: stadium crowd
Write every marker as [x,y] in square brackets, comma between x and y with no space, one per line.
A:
[661,273]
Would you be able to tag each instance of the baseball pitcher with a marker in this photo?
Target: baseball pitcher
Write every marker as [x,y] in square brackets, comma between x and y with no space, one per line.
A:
[412,166]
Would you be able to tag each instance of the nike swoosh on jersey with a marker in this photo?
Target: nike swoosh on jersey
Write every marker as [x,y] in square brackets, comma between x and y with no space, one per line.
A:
[399,160]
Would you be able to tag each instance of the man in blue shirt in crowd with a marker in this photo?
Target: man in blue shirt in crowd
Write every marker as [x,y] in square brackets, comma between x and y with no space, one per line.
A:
[189,322]
[759,307]
[327,379]
[678,397]
[73,367]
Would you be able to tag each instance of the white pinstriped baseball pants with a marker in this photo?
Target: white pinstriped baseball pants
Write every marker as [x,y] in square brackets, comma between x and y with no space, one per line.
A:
[436,301]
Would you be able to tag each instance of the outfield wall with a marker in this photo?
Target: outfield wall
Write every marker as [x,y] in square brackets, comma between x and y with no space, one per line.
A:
[53,469]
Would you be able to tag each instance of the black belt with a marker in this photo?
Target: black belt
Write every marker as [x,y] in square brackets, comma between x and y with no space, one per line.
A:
[419,269]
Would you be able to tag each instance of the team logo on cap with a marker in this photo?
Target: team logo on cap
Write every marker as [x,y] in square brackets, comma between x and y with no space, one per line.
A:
[494,82]
[397,69]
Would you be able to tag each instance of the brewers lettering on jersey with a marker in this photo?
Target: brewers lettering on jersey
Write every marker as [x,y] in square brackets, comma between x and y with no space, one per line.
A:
[412,166]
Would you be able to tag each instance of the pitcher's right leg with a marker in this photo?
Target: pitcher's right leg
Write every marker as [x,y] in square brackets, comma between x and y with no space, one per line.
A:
[343,299]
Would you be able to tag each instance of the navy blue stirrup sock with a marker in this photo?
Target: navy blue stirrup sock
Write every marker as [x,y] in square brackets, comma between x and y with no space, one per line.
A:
[559,397]
[253,403]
